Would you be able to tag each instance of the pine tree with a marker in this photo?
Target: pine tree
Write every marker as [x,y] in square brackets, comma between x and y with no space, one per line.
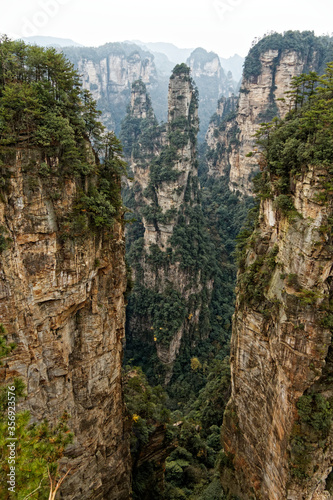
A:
[38,446]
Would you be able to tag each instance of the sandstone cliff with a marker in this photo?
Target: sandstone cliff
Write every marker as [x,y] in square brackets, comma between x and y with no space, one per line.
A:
[280,351]
[108,73]
[62,303]
[268,70]
[165,245]
[212,83]
[277,428]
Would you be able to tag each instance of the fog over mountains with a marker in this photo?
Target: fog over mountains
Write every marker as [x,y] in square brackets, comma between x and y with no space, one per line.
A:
[108,72]
[197,225]
[166,54]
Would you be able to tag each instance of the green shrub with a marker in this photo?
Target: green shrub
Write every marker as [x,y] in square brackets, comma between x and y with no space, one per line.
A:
[256,278]
[311,430]
[36,86]
[315,410]
[4,240]
[308,297]
[285,203]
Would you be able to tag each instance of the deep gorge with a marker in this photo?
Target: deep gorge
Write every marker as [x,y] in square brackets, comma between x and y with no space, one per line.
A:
[128,297]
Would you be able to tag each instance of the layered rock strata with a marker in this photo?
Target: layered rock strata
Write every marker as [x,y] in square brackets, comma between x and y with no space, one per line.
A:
[267,76]
[62,303]
[164,193]
[281,354]
[259,101]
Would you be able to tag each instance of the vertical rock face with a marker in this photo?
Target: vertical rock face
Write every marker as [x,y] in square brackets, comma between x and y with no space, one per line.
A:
[268,71]
[221,136]
[281,355]
[209,75]
[62,302]
[108,73]
[259,102]
[167,300]
[182,128]
[212,83]
[142,140]
[140,103]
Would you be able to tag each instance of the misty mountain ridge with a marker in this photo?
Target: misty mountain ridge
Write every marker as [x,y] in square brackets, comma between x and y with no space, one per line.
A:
[50,41]
[233,64]
[166,55]
[177,55]
[212,78]
[173,53]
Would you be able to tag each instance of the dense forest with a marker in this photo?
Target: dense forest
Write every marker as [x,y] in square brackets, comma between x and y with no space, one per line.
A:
[177,412]
[203,245]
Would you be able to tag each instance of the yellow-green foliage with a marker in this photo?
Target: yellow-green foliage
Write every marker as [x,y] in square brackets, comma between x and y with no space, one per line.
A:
[38,446]
[38,450]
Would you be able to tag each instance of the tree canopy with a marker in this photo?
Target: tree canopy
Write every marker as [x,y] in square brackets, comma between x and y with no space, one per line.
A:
[304,42]
[305,136]
[43,107]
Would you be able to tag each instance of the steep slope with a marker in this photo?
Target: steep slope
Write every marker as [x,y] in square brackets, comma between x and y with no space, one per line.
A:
[268,70]
[221,137]
[165,179]
[212,83]
[62,269]
[170,314]
[62,303]
[108,73]
[277,427]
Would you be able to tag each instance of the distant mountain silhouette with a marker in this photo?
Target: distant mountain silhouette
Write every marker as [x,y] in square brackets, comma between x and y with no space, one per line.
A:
[233,64]
[173,53]
[51,41]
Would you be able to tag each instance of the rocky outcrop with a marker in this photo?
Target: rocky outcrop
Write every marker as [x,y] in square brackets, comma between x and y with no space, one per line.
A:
[221,137]
[167,300]
[140,106]
[108,73]
[182,124]
[212,83]
[62,303]
[207,65]
[268,71]
[142,140]
[281,354]
[259,102]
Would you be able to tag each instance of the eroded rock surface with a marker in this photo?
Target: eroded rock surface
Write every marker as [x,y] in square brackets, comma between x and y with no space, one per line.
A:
[281,351]
[62,302]
[231,136]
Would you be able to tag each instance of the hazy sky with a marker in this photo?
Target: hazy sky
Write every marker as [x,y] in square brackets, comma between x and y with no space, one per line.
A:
[225,26]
